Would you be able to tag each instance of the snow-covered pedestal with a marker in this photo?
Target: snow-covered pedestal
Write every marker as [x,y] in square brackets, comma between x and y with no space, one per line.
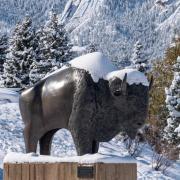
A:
[87,167]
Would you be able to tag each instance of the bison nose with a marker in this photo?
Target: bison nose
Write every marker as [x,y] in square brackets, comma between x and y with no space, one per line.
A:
[132,134]
[117,93]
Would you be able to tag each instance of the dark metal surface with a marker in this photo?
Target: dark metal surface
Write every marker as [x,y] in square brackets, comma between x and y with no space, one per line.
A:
[92,112]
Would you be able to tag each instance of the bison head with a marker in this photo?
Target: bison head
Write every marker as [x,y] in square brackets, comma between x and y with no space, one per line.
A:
[131,102]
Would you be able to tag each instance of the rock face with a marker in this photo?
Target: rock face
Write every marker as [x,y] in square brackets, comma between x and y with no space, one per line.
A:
[115,26]
[93,111]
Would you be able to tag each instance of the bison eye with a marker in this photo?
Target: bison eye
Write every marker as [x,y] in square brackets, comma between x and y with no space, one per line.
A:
[117,93]
[139,124]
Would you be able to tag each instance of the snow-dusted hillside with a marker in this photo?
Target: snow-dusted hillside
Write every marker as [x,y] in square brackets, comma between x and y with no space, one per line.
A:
[11,11]
[114,26]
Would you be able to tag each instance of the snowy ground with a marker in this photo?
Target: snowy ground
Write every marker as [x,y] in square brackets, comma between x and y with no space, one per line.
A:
[11,140]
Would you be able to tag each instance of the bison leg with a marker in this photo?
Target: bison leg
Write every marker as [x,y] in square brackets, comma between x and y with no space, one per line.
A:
[81,121]
[30,141]
[84,144]
[83,147]
[46,141]
[88,147]
[95,146]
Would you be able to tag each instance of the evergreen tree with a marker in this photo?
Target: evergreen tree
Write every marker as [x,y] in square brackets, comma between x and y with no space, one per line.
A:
[20,56]
[3,51]
[177,130]
[57,41]
[173,105]
[40,66]
[91,48]
[54,49]
[139,60]
[162,70]
[38,71]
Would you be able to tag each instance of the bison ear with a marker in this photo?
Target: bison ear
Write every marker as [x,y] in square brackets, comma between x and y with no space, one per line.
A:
[151,83]
[124,85]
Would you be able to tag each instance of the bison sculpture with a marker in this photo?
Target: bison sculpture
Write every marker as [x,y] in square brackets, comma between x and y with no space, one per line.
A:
[92,111]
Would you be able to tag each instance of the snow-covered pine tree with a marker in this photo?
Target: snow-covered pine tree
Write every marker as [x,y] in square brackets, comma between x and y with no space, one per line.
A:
[21,54]
[11,66]
[3,51]
[54,49]
[58,42]
[91,48]
[171,131]
[177,130]
[38,71]
[139,60]
[40,66]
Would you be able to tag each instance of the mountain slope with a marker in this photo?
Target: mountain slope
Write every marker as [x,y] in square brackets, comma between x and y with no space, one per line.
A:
[114,26]
[12,11]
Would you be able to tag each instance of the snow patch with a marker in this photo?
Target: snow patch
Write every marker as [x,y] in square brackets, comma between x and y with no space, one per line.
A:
[85,159]
[7,95]
[178,130]
[80,49]
[95,63]
[133,76]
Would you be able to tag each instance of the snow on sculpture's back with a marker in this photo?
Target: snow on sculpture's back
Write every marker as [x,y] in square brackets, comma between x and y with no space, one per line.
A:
[100,67]
[133,76]
[95,63]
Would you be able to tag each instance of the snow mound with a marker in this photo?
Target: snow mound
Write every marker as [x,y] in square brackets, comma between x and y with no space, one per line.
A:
[133,76]
[101,68]
[85,159]
[95,63]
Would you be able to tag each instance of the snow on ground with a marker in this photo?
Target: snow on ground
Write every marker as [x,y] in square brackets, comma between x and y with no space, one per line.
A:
[7,95]
[85,159]
[11,140]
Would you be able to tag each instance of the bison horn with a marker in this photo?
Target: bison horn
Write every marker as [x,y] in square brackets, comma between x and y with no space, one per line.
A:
[124,85]
[151,83]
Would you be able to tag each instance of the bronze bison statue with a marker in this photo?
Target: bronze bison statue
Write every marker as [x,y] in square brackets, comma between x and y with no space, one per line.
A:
[92,111]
